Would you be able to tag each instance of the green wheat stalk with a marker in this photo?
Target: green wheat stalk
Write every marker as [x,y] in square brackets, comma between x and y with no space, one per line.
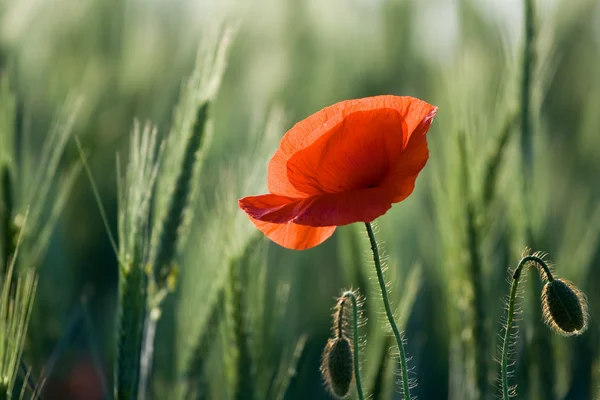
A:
[528,67]
[242,334]
[475,275]
[168,235]
[32,190]
[227,233]
[16,302]
[135,193]
[7,229]
[45,179]
[196,377]
[186,146]
[274,358]
[494,161]
[29,191]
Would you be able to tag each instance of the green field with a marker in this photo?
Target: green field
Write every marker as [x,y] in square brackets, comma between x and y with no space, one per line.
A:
[129,129]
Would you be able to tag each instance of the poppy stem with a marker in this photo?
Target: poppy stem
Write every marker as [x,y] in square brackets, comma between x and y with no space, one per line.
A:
[350,295]
[507,391]
[388,311]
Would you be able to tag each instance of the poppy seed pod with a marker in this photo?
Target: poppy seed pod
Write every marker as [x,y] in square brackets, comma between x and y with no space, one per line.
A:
[337,366]
[564,307]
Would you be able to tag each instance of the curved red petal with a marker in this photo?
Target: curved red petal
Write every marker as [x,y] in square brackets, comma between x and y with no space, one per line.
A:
[272,208]
[357,154]
[321,126]
[294,236]
[402,176]
[363,205]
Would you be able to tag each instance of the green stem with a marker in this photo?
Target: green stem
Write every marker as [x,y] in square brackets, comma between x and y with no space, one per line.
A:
[476,276]
[350,295]
[388,311]
[28,380]
[147,351]
[527,73]
[6,211]
[510,318]
[131,319]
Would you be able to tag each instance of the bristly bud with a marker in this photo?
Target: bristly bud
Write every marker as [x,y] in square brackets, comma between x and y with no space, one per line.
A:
[337,366]
[564,307]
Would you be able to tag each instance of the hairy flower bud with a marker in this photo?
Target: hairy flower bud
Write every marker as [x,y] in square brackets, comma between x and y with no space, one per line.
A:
[564,307]
[337,366]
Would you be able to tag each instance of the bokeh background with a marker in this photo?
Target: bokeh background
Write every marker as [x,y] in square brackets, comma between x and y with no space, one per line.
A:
[127,59]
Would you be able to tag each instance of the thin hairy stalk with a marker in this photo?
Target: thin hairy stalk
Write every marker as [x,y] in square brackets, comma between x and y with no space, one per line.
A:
[350,295]
[511,312]
[388,311]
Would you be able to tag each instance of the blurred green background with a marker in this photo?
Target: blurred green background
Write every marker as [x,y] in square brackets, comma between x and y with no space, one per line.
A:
[127,60]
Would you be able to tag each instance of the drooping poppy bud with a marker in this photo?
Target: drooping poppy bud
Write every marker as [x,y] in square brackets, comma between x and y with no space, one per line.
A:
[564,307]
[337,366]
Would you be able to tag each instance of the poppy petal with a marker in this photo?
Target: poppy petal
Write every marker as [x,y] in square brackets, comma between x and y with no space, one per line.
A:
[363,205]
[294,236]
[272,208]
[402,176]
[356,154]
[325,123]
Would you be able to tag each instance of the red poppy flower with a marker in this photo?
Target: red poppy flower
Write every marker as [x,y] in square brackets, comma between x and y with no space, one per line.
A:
[346,163]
